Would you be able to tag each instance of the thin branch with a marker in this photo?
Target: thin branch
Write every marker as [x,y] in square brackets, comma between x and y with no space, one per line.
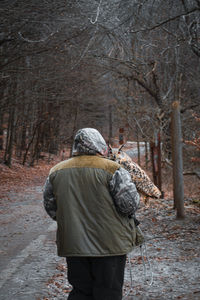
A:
[97,14]
[189,107]
[43,50]
[165,21]
[22,56]
[197,173]
[138,124]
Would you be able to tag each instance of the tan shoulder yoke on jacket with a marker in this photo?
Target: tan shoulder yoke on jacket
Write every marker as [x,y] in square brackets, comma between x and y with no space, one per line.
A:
[87,161]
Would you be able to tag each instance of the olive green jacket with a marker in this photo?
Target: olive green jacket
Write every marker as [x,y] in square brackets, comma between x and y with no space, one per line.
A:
[85,195]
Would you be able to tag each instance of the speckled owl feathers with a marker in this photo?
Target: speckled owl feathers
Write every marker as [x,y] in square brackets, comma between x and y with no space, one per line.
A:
[142,181]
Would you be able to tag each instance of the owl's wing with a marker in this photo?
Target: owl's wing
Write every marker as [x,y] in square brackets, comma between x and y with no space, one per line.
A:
[140,178]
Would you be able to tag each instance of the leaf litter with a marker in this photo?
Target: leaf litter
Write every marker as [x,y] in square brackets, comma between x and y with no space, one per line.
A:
[173,246]
[172,257]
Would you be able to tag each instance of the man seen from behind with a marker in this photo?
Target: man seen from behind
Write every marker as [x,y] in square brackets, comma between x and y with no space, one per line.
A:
[93,200]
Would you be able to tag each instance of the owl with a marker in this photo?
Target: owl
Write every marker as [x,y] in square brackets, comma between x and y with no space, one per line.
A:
[142,181]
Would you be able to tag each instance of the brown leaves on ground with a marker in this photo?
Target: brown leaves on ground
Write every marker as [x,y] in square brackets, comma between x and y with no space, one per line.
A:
[19,177]
[58,284]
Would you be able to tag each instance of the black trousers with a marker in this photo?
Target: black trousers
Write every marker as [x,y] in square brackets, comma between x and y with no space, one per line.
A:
[96,278]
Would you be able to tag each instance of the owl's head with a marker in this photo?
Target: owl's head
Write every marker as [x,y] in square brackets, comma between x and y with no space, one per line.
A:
[117,154]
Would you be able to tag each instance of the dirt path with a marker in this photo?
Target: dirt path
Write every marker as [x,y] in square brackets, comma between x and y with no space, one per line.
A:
[173,251]
[30,269]
[173,248]
[28,253]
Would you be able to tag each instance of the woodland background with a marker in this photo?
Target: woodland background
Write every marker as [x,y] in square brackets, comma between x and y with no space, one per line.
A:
[110,65]
[103,64]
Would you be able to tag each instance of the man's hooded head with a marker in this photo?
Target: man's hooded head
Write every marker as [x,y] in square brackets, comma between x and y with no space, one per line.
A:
[89,141]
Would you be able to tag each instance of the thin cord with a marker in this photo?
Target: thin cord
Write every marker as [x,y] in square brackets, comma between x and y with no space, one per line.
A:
[143,251]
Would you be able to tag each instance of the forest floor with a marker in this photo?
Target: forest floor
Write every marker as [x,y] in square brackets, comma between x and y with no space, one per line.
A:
[31,270]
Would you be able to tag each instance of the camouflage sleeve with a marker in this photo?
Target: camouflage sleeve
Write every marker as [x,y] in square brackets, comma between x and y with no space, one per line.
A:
[124,192]
[49,200]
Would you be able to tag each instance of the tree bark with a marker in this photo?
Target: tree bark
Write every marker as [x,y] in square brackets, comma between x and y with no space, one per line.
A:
[31,141]
[146,155]
[1,131]
[110,125]
[159,164]
[152,146]
[178,187]
[138,146]
[10,137]
[74,129]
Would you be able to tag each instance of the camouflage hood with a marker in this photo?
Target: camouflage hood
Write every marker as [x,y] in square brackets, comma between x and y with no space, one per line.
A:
[89,141]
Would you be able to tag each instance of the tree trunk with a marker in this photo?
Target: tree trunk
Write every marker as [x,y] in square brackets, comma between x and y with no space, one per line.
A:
[138,146]
[10,148]
[74,129]
[178,187]
[159,164]
[35,149]
[146,155]
[31,141]
[11,128]
[1,131]
[110,125]
[152,146]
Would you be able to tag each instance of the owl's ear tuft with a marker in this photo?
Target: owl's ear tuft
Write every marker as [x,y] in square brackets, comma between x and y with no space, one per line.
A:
[120,148]
[110,149]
